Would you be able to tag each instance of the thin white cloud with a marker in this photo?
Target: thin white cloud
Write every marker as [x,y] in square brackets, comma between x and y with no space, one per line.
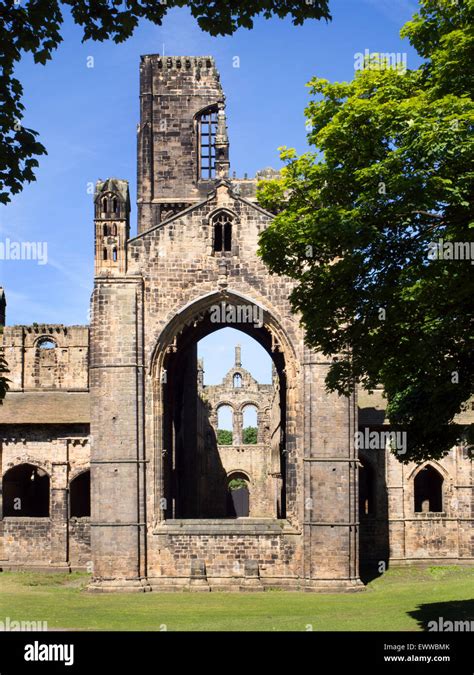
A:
[77,279]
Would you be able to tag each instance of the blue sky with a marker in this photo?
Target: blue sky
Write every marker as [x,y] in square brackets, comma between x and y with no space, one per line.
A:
[87,120]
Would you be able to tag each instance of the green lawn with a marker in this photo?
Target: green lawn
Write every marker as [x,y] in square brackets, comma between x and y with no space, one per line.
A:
[402,599]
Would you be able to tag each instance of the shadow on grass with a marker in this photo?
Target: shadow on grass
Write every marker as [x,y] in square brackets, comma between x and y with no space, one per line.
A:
[369,572]
[441,612]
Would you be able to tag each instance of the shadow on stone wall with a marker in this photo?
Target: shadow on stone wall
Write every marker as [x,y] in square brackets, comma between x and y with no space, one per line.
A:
[374,548]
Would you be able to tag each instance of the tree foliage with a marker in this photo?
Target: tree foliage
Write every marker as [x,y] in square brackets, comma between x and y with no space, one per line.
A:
[224,437]
[249,435]
[35,27]
[358,219]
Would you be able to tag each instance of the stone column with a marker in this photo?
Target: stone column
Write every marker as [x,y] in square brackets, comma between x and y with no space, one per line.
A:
[118,519]
[330,484]
[59,506]
[236,427]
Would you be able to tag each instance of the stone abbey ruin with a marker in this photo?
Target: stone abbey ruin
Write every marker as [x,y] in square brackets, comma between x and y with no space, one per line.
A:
[110,455]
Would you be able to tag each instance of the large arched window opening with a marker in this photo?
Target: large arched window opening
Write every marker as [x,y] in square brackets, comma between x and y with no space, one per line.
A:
[194,460]
[428,490]
[250,425]
[80,495]
[25,492]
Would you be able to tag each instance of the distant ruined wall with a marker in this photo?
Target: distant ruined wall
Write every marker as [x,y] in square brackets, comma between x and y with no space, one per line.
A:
[62,452]
[44,422]
[46,356]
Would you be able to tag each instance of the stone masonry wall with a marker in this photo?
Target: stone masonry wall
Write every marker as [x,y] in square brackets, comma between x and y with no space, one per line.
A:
[65,366]
[62,451]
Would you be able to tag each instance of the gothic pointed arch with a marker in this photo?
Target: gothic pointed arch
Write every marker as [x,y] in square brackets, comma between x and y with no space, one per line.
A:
[174,354]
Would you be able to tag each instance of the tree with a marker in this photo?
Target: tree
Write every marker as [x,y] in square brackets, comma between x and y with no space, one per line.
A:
[35,26]
[369,224]
[224,437]
[249,435]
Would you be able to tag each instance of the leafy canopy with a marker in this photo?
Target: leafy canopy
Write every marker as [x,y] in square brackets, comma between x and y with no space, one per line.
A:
[224,437]
[391,174]
[35,26]
[249,435]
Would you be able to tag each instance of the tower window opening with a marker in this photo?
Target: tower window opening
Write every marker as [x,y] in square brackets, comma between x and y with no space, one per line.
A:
[207,144]
[114,255]
[106,230]
[105,254]
[237,380]
[104,205]
[114,205]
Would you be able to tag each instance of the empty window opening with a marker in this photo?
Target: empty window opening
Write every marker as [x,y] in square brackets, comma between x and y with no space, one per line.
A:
[80,495]
[114,205]
[105,254]
[207,144]
[366,490]
[222,232]
[428,488]
[237,380]
[203,439]
[105,204]
[225,421]
[106,230]
[47,343]
[250,425]
[114,255]
[26,492]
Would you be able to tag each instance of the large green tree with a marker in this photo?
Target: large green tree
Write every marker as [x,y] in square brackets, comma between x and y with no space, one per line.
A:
[366,221]
[35,26]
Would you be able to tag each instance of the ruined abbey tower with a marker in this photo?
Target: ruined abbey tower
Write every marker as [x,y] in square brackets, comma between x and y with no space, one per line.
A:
[109,450]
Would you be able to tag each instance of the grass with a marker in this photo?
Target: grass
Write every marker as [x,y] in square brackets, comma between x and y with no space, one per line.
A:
[402,599]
